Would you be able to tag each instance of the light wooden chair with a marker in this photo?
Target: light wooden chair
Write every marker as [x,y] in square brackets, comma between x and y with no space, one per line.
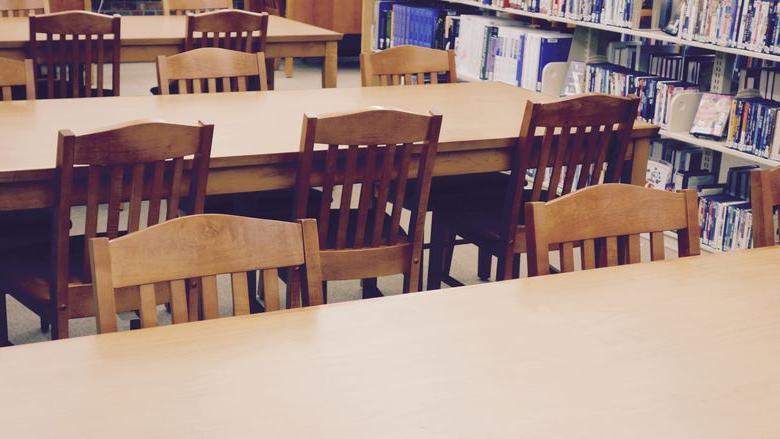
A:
[23,8]
[15,73]
[407,65]
[140,163]
[229,29]
[70,50]
[201,246]
[567,145]
[764,198]
[366,242]
[183,7]
[594,218]
[210,70]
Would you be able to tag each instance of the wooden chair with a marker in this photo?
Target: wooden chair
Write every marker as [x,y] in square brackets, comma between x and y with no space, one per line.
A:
[17,74]
[272,7]
[229,29]
[594,218]
[569,144]
[70,50]
[23,8]
[210,70]
[201,246]
[138,163]
[764,198]
[183,7]
[366,242]
[407,65]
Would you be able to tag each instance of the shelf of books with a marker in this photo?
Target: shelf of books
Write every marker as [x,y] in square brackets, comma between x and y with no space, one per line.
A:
[704,71]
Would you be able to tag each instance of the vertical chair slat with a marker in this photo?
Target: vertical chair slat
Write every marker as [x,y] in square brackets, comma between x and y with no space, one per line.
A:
[388,158]
[209,298]
[566,252]
[634,249]
[136,196]
[271,289]
[75,67]
[400,191]
[603,149]
[544,159]
[350,171]
[197,86]
[175,195]
[240,293]
[331,157]
[657,250]
[588,254]
[590,144]
[148,308]
[178,301]
[101,56]
[434,78]
[88,61]
[574,156]
[611,251]
[212,82]
[156,193]
[115,201]
[226,85]
[366,193]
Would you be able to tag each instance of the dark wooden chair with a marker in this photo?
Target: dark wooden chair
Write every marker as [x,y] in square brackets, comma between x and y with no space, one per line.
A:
[141,164]
[594,219]
[70,50]
[764,199]
[201,246]
[373,149]
[562,146]
[183,7]
[210,70]
[407,65]
[23,8]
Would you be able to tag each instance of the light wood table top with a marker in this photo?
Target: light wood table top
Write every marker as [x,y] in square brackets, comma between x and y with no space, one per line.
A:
[256,126]
[153,30]
[672,349]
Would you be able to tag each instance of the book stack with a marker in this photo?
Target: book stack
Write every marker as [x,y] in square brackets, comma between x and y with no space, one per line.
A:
[725,216]
[496,49]
[744,24]
[752,127]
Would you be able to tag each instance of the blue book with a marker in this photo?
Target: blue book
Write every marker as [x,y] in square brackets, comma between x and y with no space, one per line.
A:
[552,49]
[520,52]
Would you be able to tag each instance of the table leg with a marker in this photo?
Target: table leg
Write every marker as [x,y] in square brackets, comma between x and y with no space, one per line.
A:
[330,64]
[639,161]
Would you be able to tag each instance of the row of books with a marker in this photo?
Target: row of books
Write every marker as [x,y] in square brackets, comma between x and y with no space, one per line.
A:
[622,13]
[397,23]
[745,24]
[505,50]
[725,216]
[674,165]
[752,127]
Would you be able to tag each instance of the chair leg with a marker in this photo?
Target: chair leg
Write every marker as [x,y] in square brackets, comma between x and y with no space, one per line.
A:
[44,324]
[516,266]
[370,288]
[437,256]
[3,322]
[288,67]
[59,325]
[484,263]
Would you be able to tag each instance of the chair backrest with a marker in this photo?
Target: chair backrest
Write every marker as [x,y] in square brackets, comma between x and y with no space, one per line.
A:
[182,7]
[407,65]
[211,70]
[273,7]
[15,73]
[23,8]
[202,246]
[70,50]
[229,29]
[130,163]
[372,149]
[764,199]
[594,218]
[567,145]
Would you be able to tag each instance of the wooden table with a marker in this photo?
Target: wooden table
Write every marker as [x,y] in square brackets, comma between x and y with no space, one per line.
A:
[145,37]
[257,134]
[672,349]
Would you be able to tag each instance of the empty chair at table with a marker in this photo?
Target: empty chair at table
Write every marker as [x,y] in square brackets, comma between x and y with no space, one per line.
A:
[376,149]
[407,65]
[72,50]
[140,165]
[562,146]
[23,8]
[210,70]
[593,221]
[17,79]
[764,200]
[229,29]
[182,7]
[201,246]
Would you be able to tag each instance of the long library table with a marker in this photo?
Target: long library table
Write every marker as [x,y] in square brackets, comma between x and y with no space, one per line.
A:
[257,134]
[670,349]
[146,37]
